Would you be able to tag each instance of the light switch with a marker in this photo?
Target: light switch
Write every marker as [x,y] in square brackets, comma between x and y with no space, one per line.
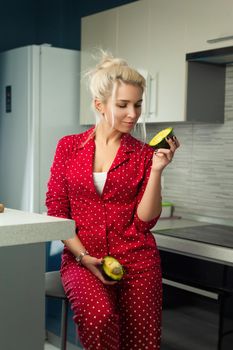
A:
[8,99]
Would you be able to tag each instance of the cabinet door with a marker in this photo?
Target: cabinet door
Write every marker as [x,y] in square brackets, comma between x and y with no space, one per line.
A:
[209,19]
[132,37]
[98,31]
[167,63]
[133,42]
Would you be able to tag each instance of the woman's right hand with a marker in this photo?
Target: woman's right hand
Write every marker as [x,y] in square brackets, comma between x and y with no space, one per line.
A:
[94,265]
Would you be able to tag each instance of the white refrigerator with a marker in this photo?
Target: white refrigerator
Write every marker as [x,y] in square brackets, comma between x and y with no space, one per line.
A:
[39,103]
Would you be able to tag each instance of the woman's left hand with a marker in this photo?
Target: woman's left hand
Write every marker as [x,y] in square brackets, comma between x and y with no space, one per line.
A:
[162,156]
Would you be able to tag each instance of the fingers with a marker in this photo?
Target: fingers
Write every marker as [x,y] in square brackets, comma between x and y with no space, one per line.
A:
[176,141]
[169,153]
[98,261]
[173,143]
[109,283]
[163,152]
[94,266]
[99,274]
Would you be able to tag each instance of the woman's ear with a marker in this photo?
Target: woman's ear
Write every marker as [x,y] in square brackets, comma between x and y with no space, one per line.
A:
[98,106]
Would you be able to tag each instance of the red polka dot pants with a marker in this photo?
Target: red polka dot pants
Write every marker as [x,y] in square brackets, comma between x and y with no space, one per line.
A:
[126,316]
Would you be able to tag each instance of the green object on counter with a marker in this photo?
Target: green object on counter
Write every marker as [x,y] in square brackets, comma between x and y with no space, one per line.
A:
[167,204]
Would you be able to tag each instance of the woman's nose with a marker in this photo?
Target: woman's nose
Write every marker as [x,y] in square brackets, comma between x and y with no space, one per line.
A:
[132,112]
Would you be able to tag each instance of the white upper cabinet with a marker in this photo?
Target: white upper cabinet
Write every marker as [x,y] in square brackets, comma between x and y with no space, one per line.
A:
[132,37]
[154,36]
[207,20]
[124,32]
[167,63]
[98,31]
[133,46]
[150,35]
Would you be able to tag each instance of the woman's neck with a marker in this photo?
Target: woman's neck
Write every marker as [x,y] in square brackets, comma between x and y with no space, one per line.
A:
[107,135]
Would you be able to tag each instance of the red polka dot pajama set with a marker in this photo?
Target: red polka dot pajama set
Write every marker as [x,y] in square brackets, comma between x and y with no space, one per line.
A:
[126,315]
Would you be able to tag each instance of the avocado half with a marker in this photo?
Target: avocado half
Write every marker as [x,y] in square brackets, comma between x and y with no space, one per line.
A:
[112,268]
[159,140]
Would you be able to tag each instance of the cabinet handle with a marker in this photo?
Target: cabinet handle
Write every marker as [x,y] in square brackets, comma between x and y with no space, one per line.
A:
[146,95]
[149,105]
[156,93]
[216,40]
[153,105]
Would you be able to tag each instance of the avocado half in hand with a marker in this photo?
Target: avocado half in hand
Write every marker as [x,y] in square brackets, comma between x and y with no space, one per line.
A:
[112,268]
[159,140]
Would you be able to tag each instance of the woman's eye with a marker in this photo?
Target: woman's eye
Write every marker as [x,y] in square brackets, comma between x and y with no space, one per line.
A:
[124,106]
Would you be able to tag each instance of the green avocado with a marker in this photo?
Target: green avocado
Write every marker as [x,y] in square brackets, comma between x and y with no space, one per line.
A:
[159,140]
[112,268]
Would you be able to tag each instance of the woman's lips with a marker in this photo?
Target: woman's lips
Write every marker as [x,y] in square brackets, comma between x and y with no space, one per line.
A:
[129,123]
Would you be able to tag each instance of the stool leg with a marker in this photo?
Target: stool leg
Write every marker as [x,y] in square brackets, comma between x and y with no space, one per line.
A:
[64,318]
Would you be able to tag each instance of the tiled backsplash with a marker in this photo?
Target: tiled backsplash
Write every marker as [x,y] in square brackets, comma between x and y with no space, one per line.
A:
[200,179]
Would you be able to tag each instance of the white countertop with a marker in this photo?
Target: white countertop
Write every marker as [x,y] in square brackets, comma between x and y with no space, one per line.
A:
[166,224]
[19,227]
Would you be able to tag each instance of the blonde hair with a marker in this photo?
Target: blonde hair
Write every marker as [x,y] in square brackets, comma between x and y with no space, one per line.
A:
[106,76]
[109,72]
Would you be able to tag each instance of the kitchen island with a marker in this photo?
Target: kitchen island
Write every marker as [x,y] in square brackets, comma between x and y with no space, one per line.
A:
[22,260]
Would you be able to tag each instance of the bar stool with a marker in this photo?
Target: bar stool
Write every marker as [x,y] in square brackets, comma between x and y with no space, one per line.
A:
[54,289]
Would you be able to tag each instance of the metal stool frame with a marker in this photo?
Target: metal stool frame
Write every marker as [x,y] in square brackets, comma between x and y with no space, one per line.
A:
[54,289]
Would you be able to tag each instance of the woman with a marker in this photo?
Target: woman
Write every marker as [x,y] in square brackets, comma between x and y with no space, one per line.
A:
[110,184]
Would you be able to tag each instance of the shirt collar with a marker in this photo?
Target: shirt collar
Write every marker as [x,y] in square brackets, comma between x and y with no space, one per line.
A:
[128,142]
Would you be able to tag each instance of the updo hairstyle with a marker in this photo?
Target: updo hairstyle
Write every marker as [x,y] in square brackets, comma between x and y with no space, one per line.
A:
[108,74]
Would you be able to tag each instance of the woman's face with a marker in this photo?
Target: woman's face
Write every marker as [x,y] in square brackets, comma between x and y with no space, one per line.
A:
[126,108]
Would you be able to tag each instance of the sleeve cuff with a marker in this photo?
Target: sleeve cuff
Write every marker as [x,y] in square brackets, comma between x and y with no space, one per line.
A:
[145,225]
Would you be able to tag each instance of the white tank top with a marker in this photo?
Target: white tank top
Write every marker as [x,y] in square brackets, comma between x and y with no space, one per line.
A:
[99,181]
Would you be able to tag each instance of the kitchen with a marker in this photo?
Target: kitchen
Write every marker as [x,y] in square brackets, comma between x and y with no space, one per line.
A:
[199,182]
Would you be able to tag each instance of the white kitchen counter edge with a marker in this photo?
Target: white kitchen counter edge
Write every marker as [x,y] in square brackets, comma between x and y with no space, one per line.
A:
[18,227]
[194,249]
[187,247]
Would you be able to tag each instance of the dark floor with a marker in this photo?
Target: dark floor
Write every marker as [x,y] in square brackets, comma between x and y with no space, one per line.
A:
[192,324]
[186,329]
